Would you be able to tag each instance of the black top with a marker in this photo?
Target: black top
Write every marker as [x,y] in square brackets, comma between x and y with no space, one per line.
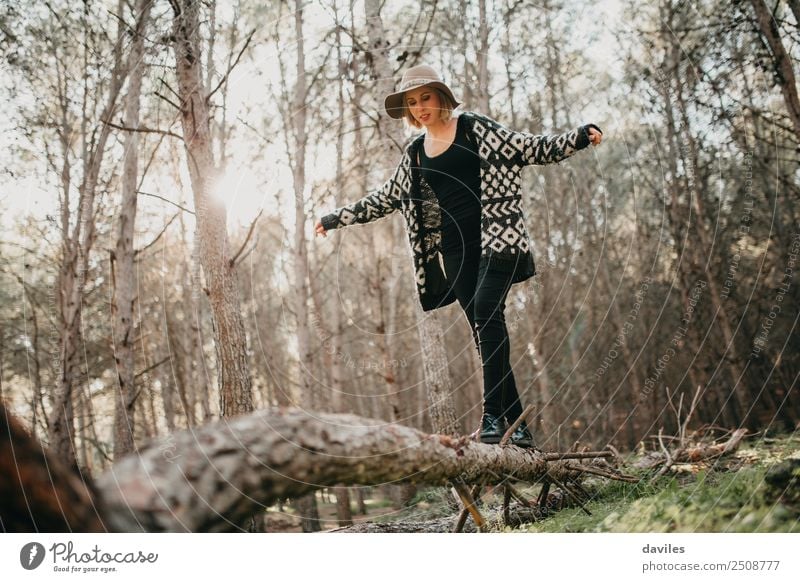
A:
[455,177]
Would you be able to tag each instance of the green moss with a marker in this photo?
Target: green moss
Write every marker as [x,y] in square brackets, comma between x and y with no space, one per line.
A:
[709,501]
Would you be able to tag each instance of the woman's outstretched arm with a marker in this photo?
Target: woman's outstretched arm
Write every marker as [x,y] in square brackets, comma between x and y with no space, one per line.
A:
[550,149]
[377,204]
[545,149]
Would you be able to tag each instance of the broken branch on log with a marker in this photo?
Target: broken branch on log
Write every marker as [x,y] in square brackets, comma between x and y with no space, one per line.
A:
[515,425]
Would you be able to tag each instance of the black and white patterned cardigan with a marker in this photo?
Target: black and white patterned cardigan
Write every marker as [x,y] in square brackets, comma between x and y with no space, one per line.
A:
[505,243]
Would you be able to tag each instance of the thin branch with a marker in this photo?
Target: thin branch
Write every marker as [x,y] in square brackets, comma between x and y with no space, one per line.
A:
[513,491]
[141,386]
[668,462]
[469,504]
[165,200]
[250,250]
[571,493]
[146,370]
[672,406]
[692,406]
[516,424]
[266,140]
[143,130]
[155,240]
[506,500]
[602,473]
[98,447]
[168,100]
[583,455]
[232,65]
[232,262]
[617,455]
[170,89]
[541,501]
[462,517]
[317,75]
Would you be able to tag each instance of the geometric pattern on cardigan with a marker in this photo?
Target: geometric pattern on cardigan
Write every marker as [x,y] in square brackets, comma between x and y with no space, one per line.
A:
[505,243]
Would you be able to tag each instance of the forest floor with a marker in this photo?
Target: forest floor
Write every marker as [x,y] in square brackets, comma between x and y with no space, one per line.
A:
[754,489]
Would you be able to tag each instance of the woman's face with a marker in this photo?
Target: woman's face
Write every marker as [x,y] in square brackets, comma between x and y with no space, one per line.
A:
[424,105]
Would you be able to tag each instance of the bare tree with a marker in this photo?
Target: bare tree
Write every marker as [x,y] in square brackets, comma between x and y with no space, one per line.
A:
[78,241]
[781,60]
[122,259]
[235,384]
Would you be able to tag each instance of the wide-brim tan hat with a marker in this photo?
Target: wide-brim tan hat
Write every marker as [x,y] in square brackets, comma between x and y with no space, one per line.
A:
[414,77]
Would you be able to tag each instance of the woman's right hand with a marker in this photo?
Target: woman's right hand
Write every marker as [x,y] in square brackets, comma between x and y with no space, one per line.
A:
[320,230]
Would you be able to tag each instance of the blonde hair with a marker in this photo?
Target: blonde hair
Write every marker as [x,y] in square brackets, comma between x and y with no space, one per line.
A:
[445,113]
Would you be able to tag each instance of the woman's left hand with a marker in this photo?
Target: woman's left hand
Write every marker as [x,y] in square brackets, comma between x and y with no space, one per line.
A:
[595,137]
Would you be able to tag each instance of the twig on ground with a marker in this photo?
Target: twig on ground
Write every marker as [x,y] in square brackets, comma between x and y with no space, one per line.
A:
[469,505]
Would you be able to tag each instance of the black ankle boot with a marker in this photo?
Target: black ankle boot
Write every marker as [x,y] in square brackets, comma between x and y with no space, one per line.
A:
[522,437]
[492,429]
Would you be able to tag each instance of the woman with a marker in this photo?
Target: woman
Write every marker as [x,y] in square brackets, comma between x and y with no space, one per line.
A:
[458,188]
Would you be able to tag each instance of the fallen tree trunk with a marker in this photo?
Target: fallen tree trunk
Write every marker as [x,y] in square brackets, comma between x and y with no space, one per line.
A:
[38,491]
[213,477]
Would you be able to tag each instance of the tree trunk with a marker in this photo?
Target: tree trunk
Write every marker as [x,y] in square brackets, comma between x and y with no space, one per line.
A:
[198,354]
[782,63]
[122,260]
[306,506]
[235,384]
[39,492]
[168,401]
[301,293]
[344,516]
[76,247]
[84,460]
[362,506]
[334,350]
[434,356]
[483,60]
[221,472]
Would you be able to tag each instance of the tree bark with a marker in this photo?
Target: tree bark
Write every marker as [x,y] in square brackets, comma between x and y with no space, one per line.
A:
[214,477]
[336,399]
[306,506]
[483,60]
[196,307]
[235,384]
[39,492]
[122,261]
[76,246]
[301,293]
[344,515]
[219,474]
[782,63]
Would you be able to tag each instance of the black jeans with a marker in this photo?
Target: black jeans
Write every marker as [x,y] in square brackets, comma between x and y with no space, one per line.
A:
[482,296]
